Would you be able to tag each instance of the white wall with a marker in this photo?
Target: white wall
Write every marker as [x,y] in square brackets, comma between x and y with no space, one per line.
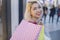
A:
[14,14]
[59,2]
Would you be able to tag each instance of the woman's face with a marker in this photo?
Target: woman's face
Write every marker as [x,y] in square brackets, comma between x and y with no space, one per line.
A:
[36,10]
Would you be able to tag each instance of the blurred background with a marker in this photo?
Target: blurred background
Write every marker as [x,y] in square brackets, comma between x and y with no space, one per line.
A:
[11,14]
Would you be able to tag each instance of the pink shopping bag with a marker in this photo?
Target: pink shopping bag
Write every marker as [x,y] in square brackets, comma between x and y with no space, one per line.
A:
[26,31]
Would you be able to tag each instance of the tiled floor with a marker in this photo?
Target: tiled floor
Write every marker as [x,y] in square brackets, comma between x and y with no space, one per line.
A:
[52,30]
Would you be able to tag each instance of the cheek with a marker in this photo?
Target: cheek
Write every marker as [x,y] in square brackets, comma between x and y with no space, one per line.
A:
[41,10]
[32,12]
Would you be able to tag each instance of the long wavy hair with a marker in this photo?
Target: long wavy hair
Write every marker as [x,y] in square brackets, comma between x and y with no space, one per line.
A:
[27,14]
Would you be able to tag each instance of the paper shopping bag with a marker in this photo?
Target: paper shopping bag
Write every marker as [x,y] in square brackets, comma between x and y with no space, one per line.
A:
[26,31]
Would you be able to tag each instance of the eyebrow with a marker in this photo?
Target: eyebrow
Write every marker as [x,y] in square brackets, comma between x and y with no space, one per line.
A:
[32,2]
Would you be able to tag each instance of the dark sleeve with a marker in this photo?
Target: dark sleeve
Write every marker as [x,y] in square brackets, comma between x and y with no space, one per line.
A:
[46,8]
[50,9]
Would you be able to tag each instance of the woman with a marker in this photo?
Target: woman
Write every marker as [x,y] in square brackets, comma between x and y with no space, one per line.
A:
[52,13]
[30,28]
[58,13]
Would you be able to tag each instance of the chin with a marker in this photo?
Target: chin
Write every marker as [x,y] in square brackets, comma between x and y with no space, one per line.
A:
[38,17]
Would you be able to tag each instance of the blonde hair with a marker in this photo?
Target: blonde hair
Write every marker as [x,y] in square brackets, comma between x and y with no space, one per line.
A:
[27,14]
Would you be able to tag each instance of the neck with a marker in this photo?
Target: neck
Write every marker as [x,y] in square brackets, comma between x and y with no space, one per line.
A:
[34,19]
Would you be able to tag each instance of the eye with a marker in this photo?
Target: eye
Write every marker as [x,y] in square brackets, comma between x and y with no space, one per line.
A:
[35,8]
[39,7]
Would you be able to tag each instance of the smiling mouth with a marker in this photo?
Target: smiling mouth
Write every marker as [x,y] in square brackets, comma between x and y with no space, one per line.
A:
[38,14]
